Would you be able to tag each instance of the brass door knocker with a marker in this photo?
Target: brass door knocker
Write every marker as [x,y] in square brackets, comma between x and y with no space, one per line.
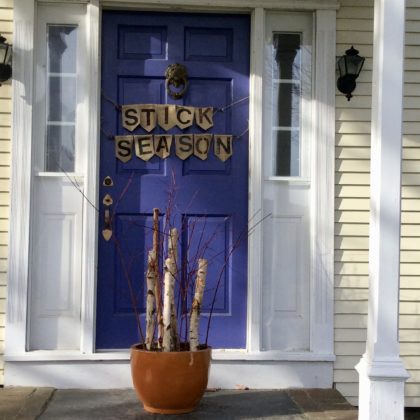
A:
[176,76]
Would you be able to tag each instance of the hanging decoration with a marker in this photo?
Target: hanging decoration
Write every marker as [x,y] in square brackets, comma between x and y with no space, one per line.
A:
[148,116]
[199,145]
[166,117]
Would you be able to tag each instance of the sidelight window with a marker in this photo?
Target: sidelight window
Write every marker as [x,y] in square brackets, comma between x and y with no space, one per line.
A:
[61,98]
[288,90]
[286,104]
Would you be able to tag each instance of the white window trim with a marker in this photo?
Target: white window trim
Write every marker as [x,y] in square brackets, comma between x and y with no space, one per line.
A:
[323,172]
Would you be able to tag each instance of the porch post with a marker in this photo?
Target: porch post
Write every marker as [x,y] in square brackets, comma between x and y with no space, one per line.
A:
[381,371]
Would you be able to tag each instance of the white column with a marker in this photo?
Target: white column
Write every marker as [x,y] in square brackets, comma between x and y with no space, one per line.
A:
[381,371]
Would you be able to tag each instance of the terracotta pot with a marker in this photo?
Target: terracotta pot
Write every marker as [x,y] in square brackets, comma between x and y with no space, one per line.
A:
[170,382]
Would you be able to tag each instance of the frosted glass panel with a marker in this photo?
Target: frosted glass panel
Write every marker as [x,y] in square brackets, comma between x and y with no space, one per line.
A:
[62,48]
[286,100]
[61,98]
[287,153]
[60,148]
[287,56]
[286,97]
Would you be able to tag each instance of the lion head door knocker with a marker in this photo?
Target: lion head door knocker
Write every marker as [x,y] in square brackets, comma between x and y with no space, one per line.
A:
[177,77]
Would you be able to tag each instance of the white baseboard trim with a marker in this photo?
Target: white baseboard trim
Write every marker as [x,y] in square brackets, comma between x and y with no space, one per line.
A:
[217,354]
[116,374]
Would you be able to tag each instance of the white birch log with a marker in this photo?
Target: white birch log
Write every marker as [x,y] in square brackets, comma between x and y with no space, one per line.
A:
[200,284]
[173,254]
[169,282]
[150,300]
[158,291]
[173,245]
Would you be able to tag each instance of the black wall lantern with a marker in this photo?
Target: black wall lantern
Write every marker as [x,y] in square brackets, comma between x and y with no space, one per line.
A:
[5,60]
[349,66]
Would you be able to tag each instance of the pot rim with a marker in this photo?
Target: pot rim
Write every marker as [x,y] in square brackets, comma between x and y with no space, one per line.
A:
[138,347]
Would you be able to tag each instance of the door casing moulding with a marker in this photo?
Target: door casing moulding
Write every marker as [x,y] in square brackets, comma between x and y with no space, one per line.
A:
[215,5]
[322,203]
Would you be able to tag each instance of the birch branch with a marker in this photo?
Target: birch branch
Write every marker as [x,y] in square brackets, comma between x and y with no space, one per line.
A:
[173,254]
[173,245]
[200,284]
[158,291]
[150,301]
[169,283]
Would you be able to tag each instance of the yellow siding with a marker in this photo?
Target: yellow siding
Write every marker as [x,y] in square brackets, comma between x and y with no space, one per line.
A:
[355,26]
[6,16]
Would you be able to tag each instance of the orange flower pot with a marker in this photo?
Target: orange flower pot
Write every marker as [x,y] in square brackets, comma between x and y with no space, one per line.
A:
[170,382]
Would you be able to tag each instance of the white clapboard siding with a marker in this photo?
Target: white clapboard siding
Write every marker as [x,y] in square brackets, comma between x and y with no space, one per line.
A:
[350,281]
[6,16]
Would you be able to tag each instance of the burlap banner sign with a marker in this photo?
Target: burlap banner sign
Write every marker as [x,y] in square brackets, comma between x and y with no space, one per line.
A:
[202,145]
[144,147]
[199,145]
[184,145]
[148,116]
[123,148]
[223,146]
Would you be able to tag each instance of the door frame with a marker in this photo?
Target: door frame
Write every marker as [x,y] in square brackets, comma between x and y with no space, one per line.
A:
[322,203]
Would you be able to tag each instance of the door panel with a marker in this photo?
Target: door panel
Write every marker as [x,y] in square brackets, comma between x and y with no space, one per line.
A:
[210,196]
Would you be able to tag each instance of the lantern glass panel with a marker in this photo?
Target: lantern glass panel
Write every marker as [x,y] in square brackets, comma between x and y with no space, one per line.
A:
[342,66]
[8,59]
[354,64]
[4,53]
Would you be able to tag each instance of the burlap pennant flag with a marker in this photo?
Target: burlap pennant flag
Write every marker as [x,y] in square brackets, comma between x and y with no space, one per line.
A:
[202,145]
[223,146]
[123,148]
[148,116]
[204,117]
[166,115]
[144,147]
[130,117]
[163,144]
[184,145]
[184,116]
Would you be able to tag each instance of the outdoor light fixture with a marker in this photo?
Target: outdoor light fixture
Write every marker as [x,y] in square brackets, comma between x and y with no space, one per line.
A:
[5,60]
[349,66]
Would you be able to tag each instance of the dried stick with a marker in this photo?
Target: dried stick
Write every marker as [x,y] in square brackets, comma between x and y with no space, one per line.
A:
[150,301]
[169,283]
[173,255]
[196,305]
[158,291]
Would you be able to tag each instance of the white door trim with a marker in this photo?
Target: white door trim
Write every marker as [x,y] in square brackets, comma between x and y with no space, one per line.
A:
[90,216]
[323,131]
[323,170]
[255,240]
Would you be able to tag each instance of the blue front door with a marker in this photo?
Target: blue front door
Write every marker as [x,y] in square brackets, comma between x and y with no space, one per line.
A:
[210,197]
